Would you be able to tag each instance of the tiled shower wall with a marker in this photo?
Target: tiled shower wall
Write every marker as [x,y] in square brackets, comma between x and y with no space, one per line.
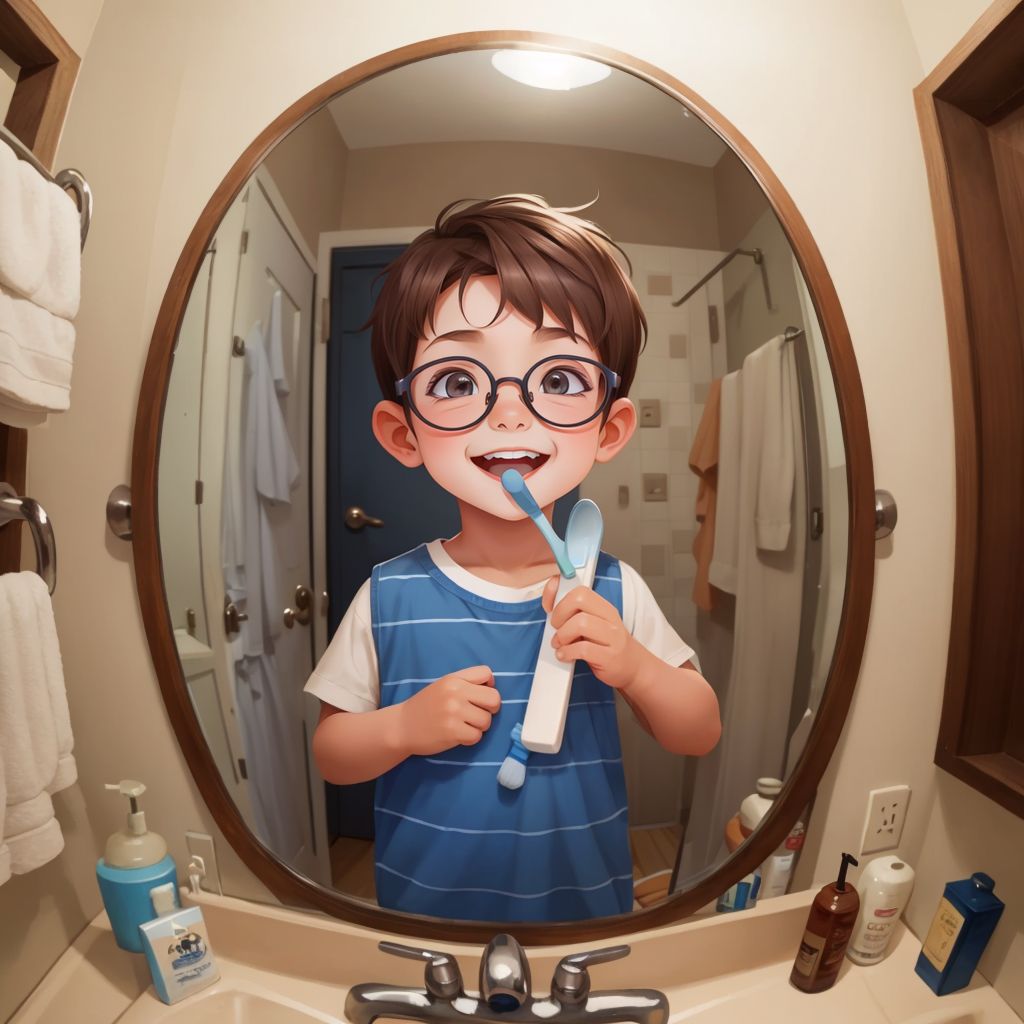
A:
[675,370]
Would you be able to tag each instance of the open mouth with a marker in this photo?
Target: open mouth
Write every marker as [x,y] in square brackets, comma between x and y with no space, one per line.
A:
[524,460]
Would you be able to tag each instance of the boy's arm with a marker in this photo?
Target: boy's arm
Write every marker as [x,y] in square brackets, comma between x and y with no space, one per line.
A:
[676,705]
[454,710]
[353,747]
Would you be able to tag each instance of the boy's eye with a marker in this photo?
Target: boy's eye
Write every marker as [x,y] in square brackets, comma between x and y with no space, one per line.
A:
[452,384]
[564,381]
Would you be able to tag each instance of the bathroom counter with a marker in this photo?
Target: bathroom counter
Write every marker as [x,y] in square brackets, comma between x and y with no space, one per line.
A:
[291,967]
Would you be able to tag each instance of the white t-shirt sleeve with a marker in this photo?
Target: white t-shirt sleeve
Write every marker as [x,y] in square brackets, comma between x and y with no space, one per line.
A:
[646,621]
[347,676]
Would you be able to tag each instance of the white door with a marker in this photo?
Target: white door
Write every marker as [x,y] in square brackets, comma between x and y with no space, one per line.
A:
[283,785]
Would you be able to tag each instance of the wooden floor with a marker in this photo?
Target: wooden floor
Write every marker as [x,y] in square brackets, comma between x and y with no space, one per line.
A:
[653,849]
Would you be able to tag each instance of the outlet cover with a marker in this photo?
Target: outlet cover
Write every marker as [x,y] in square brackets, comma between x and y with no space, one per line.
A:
[883,824]
[202,844]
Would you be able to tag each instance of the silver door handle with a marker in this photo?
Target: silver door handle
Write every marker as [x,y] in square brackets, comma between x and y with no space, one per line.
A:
[232,617]
[356,518]
[301,612]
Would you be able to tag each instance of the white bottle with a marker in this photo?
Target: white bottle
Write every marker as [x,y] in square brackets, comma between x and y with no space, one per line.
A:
[777,870]
[884,886]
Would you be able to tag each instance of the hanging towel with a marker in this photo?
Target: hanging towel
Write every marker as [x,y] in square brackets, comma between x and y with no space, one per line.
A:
[36,350]
[704,462]
[40,244]
[724,568]
[779,412]
[35,728]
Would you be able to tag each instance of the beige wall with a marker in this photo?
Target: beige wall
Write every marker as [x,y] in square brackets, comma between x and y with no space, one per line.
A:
[739,200]
[843,142]
[965,832]
[309,168]
[395,186]
[48,908]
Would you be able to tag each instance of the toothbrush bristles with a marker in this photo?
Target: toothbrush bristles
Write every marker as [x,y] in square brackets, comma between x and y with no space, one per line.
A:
[512,773]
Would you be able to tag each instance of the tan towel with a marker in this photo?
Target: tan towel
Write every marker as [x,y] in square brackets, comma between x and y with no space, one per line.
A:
[704,462]
[724,569]
[35,728]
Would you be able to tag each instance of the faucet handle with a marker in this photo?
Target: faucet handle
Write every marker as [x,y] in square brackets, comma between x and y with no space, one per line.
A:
[571,983]
[441,975]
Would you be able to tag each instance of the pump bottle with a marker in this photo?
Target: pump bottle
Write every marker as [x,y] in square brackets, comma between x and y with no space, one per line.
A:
[134,862]
[829,926]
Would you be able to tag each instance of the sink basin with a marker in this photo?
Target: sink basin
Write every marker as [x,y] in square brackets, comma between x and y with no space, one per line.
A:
[234,1002]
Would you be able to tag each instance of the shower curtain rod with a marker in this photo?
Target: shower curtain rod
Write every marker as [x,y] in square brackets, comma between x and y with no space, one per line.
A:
[755,254]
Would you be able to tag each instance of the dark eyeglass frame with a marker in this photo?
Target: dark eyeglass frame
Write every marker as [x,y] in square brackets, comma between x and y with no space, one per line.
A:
[612,380]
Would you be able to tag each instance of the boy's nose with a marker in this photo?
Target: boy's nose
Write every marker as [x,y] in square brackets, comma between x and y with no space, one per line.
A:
[509,411]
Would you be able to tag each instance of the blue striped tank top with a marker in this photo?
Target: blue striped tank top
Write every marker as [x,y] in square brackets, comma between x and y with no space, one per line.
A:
[450,841]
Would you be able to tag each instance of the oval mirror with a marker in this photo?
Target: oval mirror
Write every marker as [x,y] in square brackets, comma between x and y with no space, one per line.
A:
[742,503]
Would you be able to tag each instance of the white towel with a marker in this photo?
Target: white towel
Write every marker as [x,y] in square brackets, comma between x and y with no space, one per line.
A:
[35,728]
[40,244]
[36,350]
[780,411]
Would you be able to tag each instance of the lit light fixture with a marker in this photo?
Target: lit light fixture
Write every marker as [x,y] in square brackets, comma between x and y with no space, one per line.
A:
[549,70]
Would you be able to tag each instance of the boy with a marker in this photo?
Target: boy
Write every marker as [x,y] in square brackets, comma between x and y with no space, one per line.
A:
[509,335]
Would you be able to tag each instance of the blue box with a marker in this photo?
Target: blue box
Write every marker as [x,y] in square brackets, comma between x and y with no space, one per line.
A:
[967,915]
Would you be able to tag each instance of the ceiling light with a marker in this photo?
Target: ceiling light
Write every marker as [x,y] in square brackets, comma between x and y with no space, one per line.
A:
[549,70]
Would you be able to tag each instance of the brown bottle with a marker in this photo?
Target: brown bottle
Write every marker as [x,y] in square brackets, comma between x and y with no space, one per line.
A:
[829,927]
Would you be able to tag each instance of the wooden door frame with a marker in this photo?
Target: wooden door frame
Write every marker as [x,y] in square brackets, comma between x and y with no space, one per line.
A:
[964,108]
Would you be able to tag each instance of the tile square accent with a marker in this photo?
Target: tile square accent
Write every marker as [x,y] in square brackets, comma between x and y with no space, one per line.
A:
[653,560]
[659,284]
[679,440]
[655,487]
[678,346]
[682,542]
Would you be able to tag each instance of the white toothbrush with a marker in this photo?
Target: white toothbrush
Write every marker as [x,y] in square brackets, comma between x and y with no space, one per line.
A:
[552,679]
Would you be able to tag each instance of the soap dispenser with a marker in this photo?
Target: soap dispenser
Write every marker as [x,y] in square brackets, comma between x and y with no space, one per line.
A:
[827,933]
[134,862]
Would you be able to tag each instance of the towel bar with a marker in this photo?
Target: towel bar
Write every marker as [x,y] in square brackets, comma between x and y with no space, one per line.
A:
[69,179]
[11,508]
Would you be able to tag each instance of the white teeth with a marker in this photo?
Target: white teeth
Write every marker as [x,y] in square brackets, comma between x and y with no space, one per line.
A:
[512,455]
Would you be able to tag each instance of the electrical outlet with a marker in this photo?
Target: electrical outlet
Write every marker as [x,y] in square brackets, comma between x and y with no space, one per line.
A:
[201,845]
[883,826]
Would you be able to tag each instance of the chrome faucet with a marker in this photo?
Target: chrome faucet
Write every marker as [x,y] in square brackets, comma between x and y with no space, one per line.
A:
[504,994]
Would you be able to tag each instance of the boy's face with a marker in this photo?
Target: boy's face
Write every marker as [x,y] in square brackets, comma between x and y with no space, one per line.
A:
[557,459]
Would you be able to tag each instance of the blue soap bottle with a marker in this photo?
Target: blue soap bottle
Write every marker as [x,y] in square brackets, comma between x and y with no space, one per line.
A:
[134,862]
[968,914]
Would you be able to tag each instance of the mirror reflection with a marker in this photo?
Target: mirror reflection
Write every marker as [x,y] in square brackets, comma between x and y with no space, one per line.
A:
[290,467]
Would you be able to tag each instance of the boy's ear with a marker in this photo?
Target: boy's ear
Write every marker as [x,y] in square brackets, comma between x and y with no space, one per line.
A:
[617,430]
[392,430]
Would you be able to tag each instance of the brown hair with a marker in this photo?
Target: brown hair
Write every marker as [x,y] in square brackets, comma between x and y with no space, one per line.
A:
[542,257]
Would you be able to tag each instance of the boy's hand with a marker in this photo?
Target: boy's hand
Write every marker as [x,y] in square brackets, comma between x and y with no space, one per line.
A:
[588,628]
[456,709]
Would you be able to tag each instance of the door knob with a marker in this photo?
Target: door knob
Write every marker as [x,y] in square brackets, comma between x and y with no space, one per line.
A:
[301,612]
[232,617]
[356,518]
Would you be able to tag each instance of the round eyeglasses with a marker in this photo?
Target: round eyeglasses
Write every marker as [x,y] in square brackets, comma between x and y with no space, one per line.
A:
[457,392]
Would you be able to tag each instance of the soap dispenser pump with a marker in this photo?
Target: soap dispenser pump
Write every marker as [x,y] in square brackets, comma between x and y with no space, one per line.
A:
[827,933]
[134,862]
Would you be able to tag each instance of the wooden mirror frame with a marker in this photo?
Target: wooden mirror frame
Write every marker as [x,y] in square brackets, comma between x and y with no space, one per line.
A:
[799,789]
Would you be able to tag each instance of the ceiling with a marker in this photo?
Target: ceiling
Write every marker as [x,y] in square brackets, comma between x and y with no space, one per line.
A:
[460,97]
